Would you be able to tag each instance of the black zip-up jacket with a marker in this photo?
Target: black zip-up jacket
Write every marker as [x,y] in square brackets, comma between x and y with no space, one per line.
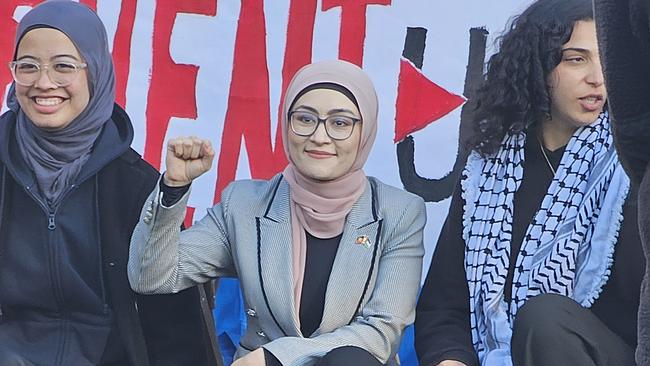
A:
[64,293]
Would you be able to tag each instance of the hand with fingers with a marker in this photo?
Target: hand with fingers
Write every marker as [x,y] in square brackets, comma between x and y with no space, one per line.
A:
[187,159]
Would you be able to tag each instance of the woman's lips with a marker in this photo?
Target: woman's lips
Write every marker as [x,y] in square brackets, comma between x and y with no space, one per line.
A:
[47,105]
[592,103]
[317,154]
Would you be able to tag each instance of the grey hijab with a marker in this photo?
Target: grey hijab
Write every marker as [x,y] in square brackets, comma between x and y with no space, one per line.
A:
[56,157]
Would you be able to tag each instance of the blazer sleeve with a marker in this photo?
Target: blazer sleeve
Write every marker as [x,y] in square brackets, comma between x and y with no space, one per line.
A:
[378,327]
[162,259]
[442,324]
[624,42]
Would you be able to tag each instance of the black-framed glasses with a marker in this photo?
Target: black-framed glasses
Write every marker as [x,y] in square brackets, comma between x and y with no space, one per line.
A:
[61,73]
[337,127]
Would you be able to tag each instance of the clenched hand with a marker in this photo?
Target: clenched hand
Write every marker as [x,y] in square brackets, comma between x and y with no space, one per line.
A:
[187,159]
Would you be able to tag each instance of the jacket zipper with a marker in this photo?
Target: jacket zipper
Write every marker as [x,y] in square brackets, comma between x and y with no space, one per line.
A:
[100,246]
[51,226]
[51,223]
[54,271]
[51,214]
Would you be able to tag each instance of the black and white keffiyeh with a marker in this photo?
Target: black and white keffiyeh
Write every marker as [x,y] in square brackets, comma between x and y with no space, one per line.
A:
[568,247]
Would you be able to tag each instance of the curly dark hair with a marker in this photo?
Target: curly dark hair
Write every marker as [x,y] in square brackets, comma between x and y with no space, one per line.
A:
[515,93]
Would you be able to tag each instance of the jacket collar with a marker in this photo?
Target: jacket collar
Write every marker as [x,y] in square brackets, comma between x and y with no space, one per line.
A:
[363,212]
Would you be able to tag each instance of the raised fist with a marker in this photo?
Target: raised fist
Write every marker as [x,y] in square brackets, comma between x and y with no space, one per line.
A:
[187,158]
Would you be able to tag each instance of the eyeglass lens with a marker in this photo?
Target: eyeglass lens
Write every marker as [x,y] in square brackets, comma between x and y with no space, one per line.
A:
[306,123]
[60,73]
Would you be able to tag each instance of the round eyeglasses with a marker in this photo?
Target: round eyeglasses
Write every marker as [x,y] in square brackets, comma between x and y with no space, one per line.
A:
[305,123]
[61,73]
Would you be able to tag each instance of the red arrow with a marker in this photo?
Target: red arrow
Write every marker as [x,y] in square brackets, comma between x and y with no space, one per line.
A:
[420,101]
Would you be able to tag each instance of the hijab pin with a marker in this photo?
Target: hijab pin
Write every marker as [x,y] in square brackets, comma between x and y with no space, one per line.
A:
[363,240]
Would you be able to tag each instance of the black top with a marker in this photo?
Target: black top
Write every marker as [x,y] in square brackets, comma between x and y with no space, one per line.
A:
[318,266]
[171,195]
[442,323]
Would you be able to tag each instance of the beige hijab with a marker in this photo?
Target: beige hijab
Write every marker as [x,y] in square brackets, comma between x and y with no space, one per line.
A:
[316,206]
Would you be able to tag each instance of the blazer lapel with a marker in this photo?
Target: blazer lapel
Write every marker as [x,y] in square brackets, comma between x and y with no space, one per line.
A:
[274,260]
[354,263]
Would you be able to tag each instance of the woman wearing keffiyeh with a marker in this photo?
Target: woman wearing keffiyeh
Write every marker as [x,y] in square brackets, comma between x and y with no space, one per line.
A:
[539,261]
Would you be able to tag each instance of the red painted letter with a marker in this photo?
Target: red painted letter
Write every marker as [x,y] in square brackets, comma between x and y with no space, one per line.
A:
[248,114]
[353,26]
[300,35]
[7,36]
[172,89]
[122,49]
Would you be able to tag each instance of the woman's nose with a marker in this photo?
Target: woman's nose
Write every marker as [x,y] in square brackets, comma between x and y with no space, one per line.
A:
[320,135]
[43,81]
[595,76]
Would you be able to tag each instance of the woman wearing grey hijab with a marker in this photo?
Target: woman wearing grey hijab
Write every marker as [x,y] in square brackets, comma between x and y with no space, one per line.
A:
[65,218]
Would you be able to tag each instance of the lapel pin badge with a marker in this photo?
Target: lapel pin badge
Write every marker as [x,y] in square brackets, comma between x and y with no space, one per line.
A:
[363,240]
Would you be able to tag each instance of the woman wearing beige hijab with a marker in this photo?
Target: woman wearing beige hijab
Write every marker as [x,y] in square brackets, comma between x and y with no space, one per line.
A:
[329,259]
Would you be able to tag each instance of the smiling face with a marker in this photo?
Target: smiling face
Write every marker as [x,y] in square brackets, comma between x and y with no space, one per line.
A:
[576,84]
[50,106]
[318,156]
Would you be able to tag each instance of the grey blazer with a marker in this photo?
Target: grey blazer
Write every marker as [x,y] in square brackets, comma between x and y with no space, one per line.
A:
[371,292]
